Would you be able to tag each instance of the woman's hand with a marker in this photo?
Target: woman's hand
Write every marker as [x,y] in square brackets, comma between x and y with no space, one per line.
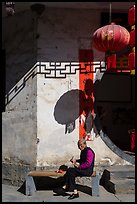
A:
[72,160]
[76,164]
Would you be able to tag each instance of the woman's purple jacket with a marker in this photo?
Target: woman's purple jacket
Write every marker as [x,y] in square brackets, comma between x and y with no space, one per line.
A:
[87,157]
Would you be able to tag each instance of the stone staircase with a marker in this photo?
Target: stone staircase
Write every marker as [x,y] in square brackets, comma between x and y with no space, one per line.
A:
[119,179]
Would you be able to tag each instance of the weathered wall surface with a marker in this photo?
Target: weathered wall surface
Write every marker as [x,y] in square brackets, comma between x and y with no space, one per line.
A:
[19,131]
[55,146]
[19,124]
[62,32]
[19,137]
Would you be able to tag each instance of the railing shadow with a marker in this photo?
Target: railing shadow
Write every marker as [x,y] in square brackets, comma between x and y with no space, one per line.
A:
[54,70]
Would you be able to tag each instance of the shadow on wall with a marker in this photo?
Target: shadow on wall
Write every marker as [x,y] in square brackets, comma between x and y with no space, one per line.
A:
[72,104]
[20,49]
[67,108]
[115,105]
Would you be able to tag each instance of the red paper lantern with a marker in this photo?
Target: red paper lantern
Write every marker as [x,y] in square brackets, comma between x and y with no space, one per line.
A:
[131,16]
[132,38]
[131,56]
[111,38]
[131,60]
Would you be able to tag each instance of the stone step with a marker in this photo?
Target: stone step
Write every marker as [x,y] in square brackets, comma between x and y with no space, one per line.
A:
[123,174]
[118,181]
[121,168]
[118,186]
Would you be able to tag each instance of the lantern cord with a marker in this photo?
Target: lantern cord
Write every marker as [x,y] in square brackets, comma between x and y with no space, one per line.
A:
[110,12]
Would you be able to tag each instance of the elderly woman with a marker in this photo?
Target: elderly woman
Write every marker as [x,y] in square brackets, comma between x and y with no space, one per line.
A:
[82,167]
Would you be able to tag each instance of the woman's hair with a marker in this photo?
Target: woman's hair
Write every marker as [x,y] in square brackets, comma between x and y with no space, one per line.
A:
[83,141]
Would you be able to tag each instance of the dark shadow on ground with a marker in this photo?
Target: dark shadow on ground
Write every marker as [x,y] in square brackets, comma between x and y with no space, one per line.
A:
[84,189]
[44,183]
[106,183]
[50,183]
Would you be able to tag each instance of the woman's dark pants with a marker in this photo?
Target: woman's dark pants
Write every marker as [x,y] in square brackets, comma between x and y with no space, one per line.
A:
[72,173]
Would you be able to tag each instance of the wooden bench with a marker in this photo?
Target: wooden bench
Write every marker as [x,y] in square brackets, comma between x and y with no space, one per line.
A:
[31,188]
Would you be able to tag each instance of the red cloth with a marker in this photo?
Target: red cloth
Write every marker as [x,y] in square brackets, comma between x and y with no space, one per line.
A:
[132,136]
[59,171]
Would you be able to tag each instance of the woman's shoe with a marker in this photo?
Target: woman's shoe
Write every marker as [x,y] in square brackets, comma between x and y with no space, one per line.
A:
[73,196]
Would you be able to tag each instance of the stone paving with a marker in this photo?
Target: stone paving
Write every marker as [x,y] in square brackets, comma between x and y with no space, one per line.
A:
[11,194]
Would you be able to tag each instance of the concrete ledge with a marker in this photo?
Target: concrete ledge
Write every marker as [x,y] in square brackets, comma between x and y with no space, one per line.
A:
[115,181]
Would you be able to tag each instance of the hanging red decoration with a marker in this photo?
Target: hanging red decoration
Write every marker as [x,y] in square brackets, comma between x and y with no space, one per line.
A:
[110,38]
[131,60]
[111,61]
[131,56]
[131,16]
[132,38]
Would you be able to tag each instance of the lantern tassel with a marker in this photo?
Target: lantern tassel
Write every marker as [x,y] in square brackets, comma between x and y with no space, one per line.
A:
[111,62]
